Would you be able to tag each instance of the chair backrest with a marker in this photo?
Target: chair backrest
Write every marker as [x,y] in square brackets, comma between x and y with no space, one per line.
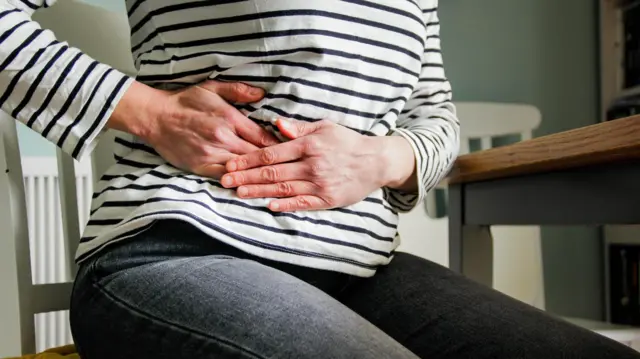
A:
[485,121]
[103,35]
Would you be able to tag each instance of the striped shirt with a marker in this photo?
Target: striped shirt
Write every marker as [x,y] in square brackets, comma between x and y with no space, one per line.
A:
[374,66]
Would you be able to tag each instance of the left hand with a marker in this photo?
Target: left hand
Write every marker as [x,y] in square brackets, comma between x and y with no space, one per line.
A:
[324,166]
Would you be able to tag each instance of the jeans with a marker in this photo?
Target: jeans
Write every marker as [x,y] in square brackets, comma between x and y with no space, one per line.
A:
[172,292]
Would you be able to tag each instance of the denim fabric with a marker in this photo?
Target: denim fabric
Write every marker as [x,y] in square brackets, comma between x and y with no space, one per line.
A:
[172,292]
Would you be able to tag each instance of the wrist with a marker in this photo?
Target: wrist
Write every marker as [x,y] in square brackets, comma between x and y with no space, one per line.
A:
[397,163]
[138,111]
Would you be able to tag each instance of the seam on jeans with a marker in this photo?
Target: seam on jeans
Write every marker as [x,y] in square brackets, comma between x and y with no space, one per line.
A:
[122,303]
[99,257]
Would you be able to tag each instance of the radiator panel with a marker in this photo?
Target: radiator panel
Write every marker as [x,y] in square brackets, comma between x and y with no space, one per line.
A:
[48,257]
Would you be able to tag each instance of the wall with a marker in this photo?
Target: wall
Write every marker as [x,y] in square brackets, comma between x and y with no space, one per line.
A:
[540,52]
[115,5]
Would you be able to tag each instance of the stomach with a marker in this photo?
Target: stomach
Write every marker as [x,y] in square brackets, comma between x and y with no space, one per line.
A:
[316,59]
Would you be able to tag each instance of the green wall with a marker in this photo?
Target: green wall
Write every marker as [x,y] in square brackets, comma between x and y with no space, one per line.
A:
[540,52]
[115,5]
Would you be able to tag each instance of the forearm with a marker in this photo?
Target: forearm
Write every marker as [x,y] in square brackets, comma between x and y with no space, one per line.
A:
[52,88]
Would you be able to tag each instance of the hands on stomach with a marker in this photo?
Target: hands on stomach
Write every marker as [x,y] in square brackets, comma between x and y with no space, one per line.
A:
[323,166]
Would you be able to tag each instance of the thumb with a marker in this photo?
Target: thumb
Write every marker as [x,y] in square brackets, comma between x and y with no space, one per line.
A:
[293,129]
[234,92]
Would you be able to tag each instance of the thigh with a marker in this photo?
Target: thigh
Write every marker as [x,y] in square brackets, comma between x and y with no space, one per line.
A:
[439,314]
[216,307]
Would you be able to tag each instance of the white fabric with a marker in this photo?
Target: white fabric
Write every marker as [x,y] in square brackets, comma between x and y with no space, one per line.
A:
[374,66]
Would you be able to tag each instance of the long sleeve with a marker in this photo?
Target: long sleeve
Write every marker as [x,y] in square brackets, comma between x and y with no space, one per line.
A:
[429,120]
[54,89]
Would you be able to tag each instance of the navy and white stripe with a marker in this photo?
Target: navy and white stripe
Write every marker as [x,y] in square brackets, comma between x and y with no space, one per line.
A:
[373,66]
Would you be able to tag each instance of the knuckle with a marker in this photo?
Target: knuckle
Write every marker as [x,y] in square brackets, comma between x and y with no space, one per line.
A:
[226,113]
[265,139]
[331,201]
[284,189]
[303,202]
[239,87]
[267,156]
[238,178]
[302,126]
[219,133]
[241,162]
[269,174]
[317,168]
[310,145]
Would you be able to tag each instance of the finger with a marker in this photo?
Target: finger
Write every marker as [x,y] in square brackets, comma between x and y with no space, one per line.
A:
[252,132]
[240,147]
[298,203]
[215,167]
[284,152]
[293,129]
[211,171]
[233,143]
[234,92]
[278,190]
[265,175]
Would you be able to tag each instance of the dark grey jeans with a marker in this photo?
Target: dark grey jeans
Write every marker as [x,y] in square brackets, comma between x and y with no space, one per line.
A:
[174,293]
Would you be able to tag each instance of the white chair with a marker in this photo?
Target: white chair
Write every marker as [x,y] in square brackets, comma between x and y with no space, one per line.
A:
[104,35]
[516,250]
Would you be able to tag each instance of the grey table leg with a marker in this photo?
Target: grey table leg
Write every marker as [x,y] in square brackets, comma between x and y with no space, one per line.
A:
[470,246]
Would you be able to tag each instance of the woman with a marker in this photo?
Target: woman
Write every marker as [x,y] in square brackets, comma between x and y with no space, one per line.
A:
[266,228]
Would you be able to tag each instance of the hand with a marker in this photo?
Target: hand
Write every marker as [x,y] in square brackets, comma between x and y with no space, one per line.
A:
[196,129]
[324,166]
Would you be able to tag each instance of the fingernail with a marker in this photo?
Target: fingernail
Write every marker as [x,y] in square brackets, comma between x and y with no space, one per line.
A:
[275,206]
[227,181]
[284,123]
[242,191]
[232,166]
[256,91]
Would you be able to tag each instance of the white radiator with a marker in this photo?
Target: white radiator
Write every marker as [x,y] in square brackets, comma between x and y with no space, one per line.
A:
[48,256]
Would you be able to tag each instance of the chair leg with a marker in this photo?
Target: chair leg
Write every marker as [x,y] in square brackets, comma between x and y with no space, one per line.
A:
[11,327]
[15,269]
[17,327]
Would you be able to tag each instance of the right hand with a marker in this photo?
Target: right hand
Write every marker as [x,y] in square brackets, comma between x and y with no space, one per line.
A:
[197,130]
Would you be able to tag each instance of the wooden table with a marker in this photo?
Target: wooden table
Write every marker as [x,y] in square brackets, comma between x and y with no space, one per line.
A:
[587,176]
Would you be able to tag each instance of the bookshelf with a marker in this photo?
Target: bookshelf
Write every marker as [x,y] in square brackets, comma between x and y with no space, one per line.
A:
[614,79]
[614,85]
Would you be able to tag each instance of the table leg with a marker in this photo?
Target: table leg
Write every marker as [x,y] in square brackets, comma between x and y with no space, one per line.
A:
[470,247]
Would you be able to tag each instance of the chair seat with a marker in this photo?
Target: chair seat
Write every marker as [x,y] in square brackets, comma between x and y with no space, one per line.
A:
[66,352]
